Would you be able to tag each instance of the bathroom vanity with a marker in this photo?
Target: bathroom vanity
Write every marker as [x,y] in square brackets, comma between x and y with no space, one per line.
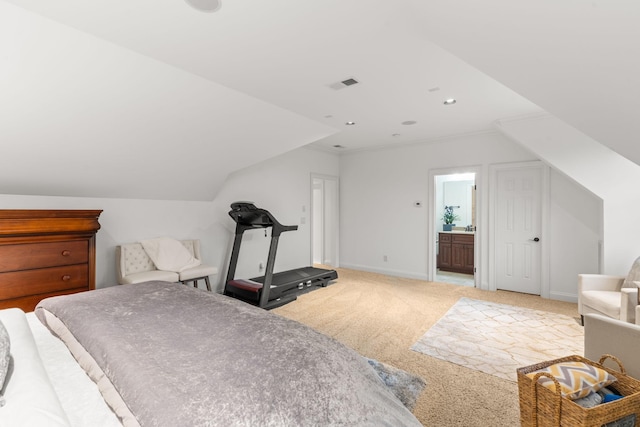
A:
[455,251]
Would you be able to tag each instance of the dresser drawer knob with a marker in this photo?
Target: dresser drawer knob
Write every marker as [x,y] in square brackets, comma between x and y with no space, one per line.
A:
[66,278]
[66,253]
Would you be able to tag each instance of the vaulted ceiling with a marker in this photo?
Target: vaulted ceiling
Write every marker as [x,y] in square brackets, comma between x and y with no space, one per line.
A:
[154,99]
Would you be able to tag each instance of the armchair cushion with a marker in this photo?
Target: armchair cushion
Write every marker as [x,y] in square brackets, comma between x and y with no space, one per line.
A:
[605,302]
[196,272]
[145,276]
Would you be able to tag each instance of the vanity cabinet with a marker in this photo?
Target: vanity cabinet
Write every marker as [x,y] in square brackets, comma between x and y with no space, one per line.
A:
[455,252]
[45,253]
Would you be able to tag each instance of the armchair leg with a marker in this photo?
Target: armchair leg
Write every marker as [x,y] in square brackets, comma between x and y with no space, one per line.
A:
[195,282]
[582,320]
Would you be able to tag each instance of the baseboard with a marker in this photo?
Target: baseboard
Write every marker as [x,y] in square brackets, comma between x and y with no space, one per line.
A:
[563,296]
[385,271]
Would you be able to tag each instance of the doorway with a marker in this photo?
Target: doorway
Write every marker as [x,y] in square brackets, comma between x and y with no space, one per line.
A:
[455,246]
[324,220]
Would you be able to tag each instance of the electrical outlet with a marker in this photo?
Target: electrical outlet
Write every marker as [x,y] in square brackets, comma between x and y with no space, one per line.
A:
[261,266]
[384,258]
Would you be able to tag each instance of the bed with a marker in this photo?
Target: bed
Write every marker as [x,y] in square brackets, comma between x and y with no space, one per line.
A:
[162,354]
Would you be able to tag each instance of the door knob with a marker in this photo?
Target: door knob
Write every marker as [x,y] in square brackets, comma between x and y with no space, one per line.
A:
[535,239]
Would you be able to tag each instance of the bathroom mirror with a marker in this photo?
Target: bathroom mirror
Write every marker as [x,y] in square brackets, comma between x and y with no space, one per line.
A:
[461,195]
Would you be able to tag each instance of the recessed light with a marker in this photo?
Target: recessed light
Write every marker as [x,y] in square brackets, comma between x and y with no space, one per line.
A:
[205,5]
[409,122]
[450,101]
[350,123]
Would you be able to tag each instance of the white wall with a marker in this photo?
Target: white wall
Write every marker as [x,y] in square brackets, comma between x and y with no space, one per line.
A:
[378,217]
[281,185]
[378,191]
[575,233]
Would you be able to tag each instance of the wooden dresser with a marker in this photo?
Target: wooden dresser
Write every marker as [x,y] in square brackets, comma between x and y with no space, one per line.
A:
[455,252]
[45,253]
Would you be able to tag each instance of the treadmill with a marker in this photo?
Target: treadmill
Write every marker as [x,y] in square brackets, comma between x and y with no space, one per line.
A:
[273,289]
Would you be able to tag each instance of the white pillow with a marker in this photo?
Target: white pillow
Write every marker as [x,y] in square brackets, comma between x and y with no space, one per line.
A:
[169,254]
[5,358]
[29,395]
[634,274]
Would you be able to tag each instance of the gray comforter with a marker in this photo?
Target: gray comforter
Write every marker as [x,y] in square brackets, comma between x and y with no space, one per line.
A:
[177,356]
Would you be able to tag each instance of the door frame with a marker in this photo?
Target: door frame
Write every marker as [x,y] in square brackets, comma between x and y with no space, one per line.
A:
[323,177]
[431,218]
[544,221]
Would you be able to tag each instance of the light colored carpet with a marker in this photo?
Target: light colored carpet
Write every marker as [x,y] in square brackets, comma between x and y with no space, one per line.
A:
[381,317]
[497,338]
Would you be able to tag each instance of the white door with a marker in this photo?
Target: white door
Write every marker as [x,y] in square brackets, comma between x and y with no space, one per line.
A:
[518,228]
[324,219]
[317,221]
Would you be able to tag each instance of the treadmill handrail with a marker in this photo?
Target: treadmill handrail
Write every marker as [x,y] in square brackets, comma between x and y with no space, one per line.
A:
[247,216]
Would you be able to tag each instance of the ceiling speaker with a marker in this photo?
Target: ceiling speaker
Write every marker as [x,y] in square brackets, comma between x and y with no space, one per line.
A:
[205,5]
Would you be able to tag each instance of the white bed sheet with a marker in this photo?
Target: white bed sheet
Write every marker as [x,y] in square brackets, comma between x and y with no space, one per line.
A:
[79,396]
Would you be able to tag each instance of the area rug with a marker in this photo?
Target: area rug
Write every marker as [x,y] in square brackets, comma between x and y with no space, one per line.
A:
[405,386]
[497,339]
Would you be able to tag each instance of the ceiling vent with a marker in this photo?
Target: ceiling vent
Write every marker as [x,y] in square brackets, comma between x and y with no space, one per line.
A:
[344,83]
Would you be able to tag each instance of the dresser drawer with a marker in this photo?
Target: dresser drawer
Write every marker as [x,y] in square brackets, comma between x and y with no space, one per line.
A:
[44,280]
[462,238]
[43,254]
[445,237]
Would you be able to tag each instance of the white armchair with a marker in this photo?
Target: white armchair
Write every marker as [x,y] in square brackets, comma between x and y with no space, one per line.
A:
[603,335]
[612,296]
[133,265]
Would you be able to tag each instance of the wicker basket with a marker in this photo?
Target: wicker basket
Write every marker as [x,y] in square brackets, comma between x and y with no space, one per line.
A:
[542,407]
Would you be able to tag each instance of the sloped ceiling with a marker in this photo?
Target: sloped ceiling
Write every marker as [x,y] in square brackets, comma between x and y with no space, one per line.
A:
[579,60]
[153,99]
[84,117]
